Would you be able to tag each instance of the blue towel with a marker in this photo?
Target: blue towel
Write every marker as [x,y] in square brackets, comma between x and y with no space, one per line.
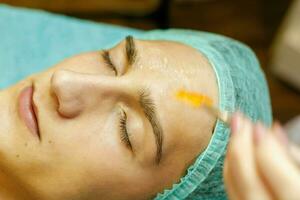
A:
[31,40]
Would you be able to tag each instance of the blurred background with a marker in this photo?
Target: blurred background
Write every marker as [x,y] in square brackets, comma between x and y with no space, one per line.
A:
[258,23]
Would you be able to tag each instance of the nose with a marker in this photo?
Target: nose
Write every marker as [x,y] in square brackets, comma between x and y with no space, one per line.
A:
[78,92]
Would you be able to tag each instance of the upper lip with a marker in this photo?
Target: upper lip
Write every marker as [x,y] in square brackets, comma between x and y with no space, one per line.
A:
[28,110]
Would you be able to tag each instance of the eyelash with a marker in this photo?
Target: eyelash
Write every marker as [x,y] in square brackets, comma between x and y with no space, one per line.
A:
[108,61]
[123,129]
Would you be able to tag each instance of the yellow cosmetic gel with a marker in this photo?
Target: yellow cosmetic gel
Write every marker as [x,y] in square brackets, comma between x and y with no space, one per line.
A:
[197,100]
[193,98]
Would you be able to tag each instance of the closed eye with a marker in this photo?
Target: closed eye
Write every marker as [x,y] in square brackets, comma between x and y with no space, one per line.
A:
[123,129]
[108,62]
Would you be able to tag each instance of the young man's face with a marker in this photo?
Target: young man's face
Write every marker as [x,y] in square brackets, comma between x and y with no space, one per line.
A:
[106,124]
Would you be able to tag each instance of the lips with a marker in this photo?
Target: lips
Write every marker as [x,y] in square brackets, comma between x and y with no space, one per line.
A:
[27,110]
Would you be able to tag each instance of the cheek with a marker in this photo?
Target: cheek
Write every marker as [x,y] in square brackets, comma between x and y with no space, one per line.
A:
[89,143]
[110,166]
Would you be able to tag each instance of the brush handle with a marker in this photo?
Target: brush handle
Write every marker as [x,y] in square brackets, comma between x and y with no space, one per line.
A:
[221,115]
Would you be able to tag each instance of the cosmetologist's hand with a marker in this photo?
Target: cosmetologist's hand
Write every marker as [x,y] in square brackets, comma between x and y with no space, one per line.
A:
[258,164]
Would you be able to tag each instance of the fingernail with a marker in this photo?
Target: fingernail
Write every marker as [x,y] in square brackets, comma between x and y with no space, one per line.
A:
[280,133]
[259,132]
[236,122]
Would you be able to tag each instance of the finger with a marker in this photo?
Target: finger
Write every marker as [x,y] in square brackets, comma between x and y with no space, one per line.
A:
[280,134]
[241,162]
[295,154]
[293,150]
[229,185]
[277,169]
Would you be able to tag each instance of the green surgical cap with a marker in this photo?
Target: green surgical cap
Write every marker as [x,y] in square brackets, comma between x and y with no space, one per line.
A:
[242,86]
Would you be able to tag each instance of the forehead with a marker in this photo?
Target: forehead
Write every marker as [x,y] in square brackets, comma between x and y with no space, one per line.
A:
[162,53]
[174,60]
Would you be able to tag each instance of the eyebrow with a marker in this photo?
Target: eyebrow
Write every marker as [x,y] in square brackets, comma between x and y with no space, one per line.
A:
[145,100]
[131,50]
[148,107]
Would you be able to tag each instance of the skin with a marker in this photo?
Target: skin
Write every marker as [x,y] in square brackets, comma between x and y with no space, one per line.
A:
[81,154]
[258,163]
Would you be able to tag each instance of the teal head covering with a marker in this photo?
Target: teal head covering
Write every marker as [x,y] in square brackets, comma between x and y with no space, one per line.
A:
[242,86]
